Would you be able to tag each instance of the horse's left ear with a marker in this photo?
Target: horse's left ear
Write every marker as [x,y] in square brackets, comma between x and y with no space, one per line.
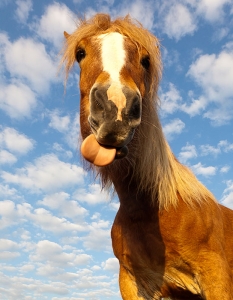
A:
[66,35]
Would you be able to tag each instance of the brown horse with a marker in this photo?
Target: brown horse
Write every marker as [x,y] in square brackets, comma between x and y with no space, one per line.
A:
[171,237]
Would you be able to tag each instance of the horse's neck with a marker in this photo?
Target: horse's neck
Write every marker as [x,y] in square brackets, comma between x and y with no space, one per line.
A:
[136,203]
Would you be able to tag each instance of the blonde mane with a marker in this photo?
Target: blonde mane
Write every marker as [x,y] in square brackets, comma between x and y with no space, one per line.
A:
[150,159]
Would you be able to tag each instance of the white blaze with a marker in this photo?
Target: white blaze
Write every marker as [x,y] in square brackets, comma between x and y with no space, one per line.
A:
[113,54]
[113,60]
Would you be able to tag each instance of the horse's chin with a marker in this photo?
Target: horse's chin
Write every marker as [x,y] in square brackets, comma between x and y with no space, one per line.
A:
[122,152]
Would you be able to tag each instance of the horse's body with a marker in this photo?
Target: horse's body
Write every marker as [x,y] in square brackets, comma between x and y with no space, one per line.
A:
[171,237]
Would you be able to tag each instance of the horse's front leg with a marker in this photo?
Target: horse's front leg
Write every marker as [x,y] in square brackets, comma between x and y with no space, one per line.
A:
[137,289]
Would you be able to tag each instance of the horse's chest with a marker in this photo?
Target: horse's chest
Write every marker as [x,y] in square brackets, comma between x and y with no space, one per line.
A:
[142,252]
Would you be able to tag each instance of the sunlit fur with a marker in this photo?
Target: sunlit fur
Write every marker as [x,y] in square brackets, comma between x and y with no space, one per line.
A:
[150,157]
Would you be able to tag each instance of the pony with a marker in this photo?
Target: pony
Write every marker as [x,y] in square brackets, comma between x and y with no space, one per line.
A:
[172,238]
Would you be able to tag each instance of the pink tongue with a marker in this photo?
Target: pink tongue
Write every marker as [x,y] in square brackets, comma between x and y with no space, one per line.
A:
[95,153]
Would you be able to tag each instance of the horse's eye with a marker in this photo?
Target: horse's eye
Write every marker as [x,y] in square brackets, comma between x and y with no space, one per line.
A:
[145,62]
[80,54]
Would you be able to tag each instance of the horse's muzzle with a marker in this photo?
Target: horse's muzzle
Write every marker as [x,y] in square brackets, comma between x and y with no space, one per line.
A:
[114,115]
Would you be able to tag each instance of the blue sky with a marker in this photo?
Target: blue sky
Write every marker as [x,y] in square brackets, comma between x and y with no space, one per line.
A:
[54,221]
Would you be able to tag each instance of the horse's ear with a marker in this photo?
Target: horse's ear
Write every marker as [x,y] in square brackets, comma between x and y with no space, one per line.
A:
[66,35]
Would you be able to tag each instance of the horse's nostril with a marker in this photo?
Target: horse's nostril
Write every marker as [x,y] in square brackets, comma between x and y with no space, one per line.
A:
[135,110]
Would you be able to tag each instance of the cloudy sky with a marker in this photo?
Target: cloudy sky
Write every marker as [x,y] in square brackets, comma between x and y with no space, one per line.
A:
[54,221]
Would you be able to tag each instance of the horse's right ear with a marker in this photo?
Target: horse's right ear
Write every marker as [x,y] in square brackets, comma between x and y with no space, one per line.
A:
[66,35]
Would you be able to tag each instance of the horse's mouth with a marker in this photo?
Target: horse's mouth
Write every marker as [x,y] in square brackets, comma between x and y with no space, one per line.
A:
[101,154]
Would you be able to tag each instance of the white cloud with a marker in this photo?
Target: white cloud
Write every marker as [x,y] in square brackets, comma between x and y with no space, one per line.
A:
[60,150]
[53,254]
[176,126]
[212,10]
[93,195]
[57,122]
[56,19]
[199,169]
[28,61]
[178,21]
[222,146]
[48,222]
[187,152]
[8,192]
[17,100]
[111,264]
[72,136]
[27,268]
[195,107]
[61,202]
[98,239]
[6,157]
[170,100]
[7,255]
[23,9]
[47,173]
[143,11]
[227,198]
[14,141]
[208,149]
[69,126]
[214,73]
[8,245]
[225,169]
[13,214]
[226,146]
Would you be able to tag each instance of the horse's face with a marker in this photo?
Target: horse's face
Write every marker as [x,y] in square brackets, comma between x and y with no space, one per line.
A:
[112,84]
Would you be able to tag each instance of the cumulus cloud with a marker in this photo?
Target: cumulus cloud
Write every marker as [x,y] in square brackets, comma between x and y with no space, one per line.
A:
[14,141]
[208,149]
[92,195]
[61,202]
[7,245]
[56,19]
[176,126]
[140,10]
[28,60]
[6,157]
[225,169]
[58,122]
[22,11]
[53,253]
[111,264]
[214,73]
[17,100]
[170,100]
[227,198]
[211,10]
[97,239]
[222,146]
[7,192]
[194,106]
[69,126]
[48,222]
[47,173]
[178,21]
[12,214]
[187,152]
[200,169]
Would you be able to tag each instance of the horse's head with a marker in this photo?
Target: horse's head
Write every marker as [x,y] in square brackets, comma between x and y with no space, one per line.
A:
[113,82]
